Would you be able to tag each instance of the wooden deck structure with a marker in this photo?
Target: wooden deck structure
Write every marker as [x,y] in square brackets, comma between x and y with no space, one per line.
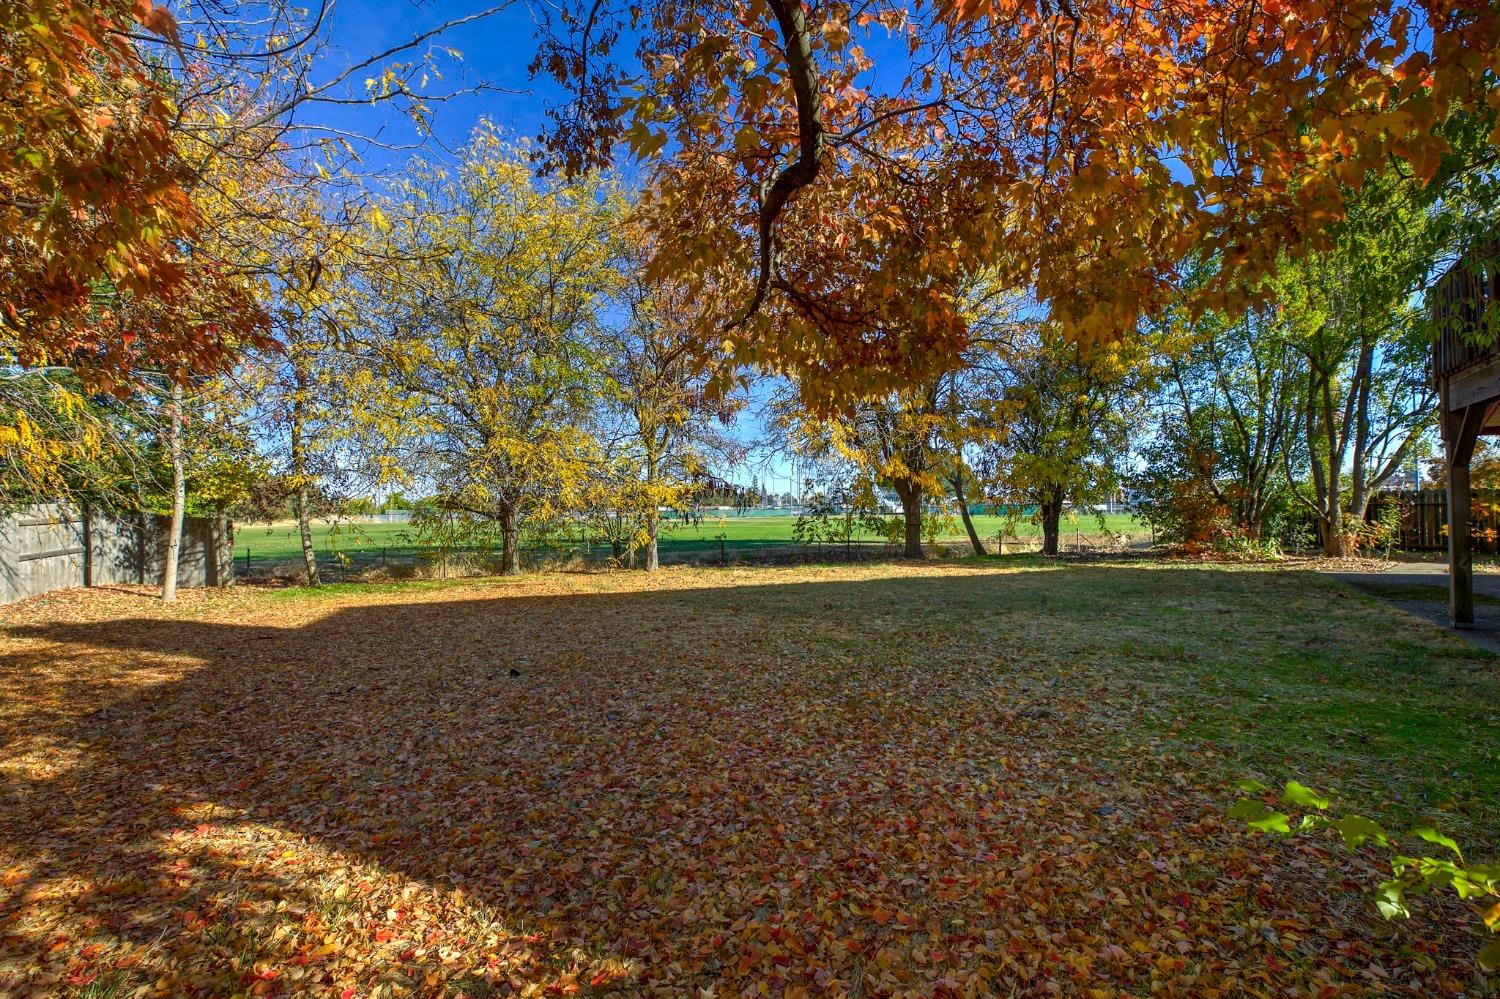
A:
[1466,366]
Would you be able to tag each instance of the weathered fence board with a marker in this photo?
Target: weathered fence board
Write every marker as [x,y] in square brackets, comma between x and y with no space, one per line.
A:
[51,546]
[1424,518]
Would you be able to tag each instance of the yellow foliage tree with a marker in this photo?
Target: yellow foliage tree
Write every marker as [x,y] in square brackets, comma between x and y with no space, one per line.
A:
[476,322]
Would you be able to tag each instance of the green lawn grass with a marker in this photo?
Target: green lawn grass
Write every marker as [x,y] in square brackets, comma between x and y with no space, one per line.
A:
[280,542]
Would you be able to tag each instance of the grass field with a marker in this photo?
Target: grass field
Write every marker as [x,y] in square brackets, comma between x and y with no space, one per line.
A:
[972,777]
[281,541]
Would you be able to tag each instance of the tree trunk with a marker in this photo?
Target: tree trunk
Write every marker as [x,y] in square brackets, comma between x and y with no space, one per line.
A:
[299,476]
[304,527]
[910,495]
[1329,470]
[653,512]
[653,528]
[179,498]
[963,511]
[1051,518]
[1332,529]
[510,542]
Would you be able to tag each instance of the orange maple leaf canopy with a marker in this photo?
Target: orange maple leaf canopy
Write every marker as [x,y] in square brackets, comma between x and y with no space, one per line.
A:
[95,218]
[832,186]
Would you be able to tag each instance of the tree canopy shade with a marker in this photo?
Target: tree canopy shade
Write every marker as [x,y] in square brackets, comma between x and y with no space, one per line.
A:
[832,171]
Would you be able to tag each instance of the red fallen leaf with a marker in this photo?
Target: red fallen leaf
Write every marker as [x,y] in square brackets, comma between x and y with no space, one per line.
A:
[348,994]
[599,979]
[382,936]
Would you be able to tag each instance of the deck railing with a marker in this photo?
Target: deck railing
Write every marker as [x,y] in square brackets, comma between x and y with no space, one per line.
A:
[1461,301]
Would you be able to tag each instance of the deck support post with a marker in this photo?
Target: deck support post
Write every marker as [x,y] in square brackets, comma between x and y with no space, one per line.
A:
[1460,433]
[1460,552]
[1466,373]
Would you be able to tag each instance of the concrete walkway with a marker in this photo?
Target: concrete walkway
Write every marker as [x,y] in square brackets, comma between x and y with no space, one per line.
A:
[1421,589]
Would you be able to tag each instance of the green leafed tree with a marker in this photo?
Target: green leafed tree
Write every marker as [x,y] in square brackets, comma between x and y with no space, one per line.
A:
[667,429]
[1062,421]
[1362,344]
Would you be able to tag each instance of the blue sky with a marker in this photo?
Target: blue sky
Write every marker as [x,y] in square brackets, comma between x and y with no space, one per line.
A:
[495,51]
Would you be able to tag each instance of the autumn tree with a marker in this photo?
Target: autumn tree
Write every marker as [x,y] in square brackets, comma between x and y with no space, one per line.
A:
[58,439]
[834,169]
[893,440]
[210,306]
[91,184]
[133,217]
[295,384]
[614,500]
[111,452]
[139,141]
[478,338]
[971,400]
[961,479]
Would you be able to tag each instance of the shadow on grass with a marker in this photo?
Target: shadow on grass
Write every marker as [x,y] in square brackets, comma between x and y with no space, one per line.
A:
[597,788]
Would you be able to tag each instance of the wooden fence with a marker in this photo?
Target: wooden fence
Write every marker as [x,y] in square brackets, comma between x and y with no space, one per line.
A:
[50,546]
[1424,518]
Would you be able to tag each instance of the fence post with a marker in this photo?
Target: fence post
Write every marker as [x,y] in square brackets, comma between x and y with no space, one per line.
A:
[88,545]
[143,527]
[10,566]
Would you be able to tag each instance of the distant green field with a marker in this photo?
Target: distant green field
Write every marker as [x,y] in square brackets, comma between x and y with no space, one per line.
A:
[280,542]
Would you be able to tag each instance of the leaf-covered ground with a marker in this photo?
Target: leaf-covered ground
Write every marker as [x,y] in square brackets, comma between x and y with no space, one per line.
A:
[951,779]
